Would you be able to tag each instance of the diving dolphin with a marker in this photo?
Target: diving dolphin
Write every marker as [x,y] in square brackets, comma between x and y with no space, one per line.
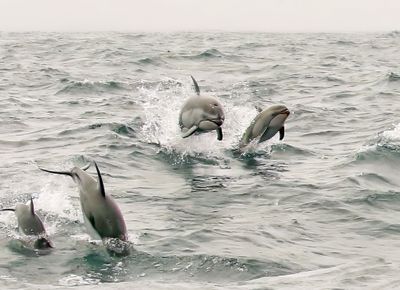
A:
[99,209]
[266,124]
[30,224]
[201,114]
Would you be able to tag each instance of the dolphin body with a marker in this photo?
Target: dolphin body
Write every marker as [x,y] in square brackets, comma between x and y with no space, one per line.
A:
[201,114]
[30,224]
[266,124]
[99,209]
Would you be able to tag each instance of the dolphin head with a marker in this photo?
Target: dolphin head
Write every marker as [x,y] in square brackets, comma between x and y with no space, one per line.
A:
[43,243]
[279,115]
[201,114]
[266,124]
[212,115]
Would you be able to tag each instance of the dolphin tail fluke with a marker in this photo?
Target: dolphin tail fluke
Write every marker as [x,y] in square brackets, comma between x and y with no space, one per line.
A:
[282,133]
[196,86]
[101,184]
[190,132]
[219,134]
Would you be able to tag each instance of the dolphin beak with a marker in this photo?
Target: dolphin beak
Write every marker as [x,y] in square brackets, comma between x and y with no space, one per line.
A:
[218,122]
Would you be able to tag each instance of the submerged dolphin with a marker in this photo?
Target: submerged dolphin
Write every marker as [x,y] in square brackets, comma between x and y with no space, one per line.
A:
[201,114]
[30,224]
[99,209]
[266,124]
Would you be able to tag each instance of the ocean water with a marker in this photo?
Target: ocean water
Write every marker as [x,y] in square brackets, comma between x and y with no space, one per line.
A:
[317,210]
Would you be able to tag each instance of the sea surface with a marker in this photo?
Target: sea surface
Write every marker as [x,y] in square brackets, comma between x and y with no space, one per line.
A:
[318,210]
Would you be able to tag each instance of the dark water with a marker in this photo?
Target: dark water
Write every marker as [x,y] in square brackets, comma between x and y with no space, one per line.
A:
[318,210]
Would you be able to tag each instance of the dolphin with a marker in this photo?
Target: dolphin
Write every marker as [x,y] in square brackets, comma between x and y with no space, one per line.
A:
[30,224]
[99,209]
[201,114]
[266,124]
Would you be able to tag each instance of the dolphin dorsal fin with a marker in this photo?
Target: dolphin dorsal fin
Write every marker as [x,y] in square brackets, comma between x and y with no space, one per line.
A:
[32,207]
[101,184]
[196,86]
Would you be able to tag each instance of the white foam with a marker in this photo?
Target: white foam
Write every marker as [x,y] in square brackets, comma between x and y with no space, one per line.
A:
[55,198]
[75,280]
[161,114]
[366,148]
[392,135]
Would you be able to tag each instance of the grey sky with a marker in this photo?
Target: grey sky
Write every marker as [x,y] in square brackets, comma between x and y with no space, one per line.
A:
[194,15]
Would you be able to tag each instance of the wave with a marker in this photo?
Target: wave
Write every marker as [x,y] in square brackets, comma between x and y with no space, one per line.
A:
[345,42]
[254,45]
[87,86]
[371,180]
[392,135]
[119,128]
[210,53]
[378,152]
[95,268]
[394,33]
[372,197]
[156,61]
[290,150]
[393,77]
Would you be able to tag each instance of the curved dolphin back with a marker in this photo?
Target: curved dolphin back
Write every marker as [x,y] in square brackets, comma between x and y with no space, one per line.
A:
[104,214]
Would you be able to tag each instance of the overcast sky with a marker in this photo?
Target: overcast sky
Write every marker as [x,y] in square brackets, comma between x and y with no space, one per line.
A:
[203,15]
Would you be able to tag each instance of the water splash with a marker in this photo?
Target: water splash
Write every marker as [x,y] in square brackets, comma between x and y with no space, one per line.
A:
[392,135]
[160,122]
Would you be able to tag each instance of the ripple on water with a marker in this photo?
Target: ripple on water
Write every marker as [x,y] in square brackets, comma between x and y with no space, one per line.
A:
[90,87]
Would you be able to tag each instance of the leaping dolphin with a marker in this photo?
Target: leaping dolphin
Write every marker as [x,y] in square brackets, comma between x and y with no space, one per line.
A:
[30,224]
[266,124]
[99,209]
[201,114]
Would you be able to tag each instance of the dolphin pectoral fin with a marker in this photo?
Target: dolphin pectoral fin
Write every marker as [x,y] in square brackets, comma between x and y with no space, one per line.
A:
[268,134]
[281,133]
[189,132]
[101,184]
[196,86]
[219,134]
